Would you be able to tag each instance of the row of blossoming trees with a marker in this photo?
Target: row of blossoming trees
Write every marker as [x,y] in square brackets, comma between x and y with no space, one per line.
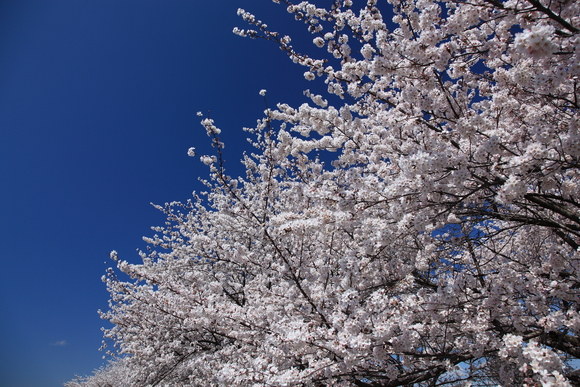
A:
[440,246]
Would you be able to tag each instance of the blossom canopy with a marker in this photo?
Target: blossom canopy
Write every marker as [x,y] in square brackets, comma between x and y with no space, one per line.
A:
[419,225]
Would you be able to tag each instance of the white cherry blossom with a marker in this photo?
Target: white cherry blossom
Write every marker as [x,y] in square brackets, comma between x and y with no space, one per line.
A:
[440,244]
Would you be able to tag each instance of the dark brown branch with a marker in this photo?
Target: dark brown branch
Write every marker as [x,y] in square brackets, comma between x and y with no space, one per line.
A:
[548,12]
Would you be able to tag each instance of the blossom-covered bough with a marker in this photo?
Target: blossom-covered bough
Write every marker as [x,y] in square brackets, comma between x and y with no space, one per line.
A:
[440,245]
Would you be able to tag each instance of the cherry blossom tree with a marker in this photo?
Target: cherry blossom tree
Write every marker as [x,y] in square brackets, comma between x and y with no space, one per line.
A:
[421,230]
[117,373]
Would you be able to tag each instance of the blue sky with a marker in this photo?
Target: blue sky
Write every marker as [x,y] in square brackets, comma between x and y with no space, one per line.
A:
[97,111]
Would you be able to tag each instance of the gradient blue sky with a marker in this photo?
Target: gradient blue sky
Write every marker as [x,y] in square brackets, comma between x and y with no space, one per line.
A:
[97,111]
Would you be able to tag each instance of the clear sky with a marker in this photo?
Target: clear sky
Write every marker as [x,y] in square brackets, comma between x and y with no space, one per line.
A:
[97,111]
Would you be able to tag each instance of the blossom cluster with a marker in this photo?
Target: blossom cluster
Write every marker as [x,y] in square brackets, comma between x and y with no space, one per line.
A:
[536,42]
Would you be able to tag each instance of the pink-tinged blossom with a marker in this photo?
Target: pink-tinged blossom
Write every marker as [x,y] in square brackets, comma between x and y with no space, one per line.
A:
[536,42]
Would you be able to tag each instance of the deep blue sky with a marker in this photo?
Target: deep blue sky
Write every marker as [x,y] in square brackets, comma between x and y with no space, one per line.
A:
[97,111]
